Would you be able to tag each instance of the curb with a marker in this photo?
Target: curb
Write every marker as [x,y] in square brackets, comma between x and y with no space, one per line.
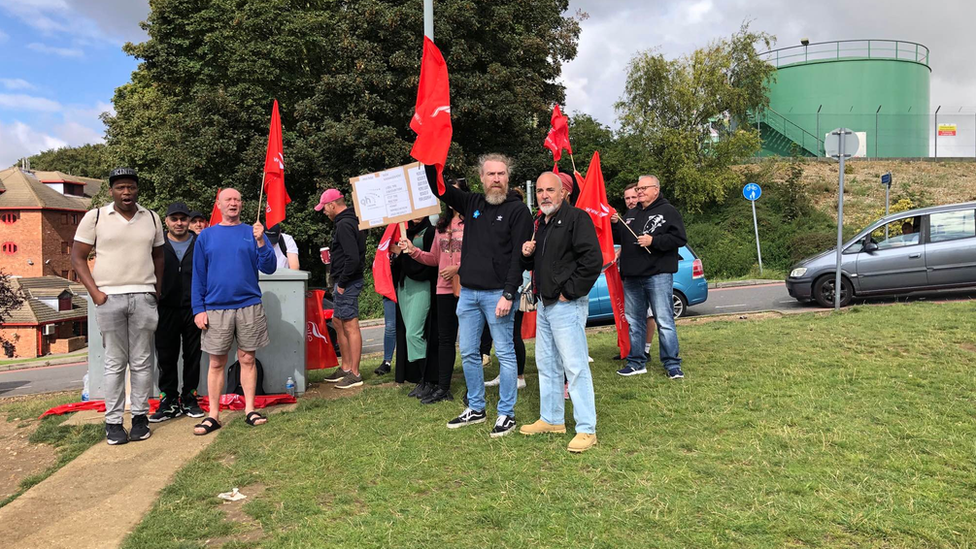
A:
[741,283]
[43,363]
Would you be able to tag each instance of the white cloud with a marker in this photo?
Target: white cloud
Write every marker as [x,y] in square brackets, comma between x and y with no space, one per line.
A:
[86,21]
[3,37]
[63,52]
[23,102]
[75,134]
[16,84]
[18,140]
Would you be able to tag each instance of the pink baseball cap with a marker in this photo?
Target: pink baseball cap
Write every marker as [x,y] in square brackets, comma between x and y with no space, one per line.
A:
[330,195]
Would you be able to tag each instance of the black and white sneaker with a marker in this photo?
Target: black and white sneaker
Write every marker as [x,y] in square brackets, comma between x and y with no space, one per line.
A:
[115,434]
[467,417]
[191,407]
[169,408]
[503,426]
[140,428]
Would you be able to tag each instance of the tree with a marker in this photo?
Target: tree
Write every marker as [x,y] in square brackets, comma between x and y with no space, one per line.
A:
[672,107]
[10,298]
[91,160]
[195,115]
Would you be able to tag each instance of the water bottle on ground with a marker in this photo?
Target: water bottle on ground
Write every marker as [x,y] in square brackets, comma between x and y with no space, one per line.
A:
[290,386]
[84,389]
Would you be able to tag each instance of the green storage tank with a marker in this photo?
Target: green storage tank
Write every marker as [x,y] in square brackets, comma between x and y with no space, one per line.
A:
[826,85]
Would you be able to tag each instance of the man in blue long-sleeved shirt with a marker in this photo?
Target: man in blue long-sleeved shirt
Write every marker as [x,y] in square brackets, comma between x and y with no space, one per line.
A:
[226,302]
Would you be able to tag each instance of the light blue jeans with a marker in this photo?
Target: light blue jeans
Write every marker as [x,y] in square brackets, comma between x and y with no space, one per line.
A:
[560,350]
[389,331]
[657,291]
[473,309]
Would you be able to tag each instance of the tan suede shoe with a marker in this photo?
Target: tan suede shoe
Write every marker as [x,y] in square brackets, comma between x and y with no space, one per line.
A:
[540,427]
[581,442]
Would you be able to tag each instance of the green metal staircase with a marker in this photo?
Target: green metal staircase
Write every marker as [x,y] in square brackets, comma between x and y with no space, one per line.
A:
[780,134]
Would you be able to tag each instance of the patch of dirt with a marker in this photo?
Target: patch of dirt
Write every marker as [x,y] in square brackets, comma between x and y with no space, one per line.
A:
[730,318]
[19,458]
[968,347]
[329,392]
[249,530]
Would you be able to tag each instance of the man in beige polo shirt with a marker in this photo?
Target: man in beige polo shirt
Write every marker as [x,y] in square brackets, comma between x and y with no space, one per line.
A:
[125,285]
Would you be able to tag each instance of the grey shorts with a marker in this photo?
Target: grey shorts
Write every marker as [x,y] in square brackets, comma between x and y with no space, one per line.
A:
[347,303]
[248,325]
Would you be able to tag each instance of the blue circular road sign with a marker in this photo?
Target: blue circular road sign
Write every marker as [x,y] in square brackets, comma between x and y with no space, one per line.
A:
[751,191]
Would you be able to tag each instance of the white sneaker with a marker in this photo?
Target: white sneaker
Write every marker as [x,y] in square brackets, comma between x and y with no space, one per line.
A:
[521,383]
[589,359]
[494,383]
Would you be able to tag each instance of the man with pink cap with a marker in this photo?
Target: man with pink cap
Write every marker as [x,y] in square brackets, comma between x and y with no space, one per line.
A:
[348,251]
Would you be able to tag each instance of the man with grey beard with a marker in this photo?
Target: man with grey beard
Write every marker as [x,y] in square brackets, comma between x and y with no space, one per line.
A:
[495,227]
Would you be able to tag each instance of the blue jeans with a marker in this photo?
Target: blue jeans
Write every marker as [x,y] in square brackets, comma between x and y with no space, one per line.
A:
[560,350]
[389,332]
[657,291]
[473,309]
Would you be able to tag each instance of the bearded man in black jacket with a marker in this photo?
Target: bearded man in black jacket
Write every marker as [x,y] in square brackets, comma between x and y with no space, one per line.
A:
[495,227]
[565,260]
[647,266]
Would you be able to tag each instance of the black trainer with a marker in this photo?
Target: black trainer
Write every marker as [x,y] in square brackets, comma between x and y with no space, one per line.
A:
[503,426]
[426,391]
[420,388]
[191,407]
[467,417]
[383,369]
[169,408]
[140,428]
[437,396]
[115,434]
[337,375]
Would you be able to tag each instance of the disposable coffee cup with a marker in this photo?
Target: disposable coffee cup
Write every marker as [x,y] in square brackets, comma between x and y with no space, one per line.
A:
[326,256]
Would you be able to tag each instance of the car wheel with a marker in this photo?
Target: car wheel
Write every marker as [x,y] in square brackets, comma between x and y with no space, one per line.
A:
[823,291]
[680,304]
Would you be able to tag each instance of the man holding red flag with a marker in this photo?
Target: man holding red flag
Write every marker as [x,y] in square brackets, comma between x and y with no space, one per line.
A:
[593,200]
[274,173]
[564,270]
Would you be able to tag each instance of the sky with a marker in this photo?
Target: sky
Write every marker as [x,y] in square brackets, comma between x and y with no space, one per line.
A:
[61,60]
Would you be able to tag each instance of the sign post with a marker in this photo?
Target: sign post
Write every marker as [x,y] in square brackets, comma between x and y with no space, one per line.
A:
[886,181]
[841,143]
[752,192]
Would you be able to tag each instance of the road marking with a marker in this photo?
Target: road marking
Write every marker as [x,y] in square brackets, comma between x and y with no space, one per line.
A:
[710,290]
[730,306]
[787,301]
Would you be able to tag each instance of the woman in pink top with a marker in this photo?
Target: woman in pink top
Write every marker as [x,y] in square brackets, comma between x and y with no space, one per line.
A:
[445,254]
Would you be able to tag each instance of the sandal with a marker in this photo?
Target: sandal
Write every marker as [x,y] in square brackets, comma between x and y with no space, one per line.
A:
[208,425]
[253,418]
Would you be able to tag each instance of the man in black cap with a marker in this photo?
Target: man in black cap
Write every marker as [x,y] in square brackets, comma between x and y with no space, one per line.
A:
[124,286]
[176,322]
[197,222]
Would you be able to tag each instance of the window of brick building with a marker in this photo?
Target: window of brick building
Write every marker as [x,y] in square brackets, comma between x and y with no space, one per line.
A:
[65,247]
[64,274]
[74,219]
[8,248]
[8,218]
[74,275]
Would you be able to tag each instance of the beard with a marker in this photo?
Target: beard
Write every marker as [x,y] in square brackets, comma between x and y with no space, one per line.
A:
[496,196]
[548,209]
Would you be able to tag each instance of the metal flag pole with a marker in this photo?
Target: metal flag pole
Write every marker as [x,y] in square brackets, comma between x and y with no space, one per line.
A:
[260,197]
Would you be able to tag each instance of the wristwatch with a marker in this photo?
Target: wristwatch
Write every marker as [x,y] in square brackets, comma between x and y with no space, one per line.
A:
[508,296]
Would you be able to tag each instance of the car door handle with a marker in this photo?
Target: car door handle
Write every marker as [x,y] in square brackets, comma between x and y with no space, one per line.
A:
[915,256]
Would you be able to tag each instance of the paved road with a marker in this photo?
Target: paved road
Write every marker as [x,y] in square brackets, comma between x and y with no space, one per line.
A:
[745,299]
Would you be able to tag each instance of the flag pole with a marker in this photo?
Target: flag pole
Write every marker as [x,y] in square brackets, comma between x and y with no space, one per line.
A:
[260,197]
[633,233]
[571,159]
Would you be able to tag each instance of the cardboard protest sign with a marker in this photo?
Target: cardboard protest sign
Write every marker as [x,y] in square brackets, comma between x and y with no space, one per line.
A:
[392,196]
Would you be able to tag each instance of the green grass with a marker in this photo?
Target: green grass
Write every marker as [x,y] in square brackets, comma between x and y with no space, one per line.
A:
[69,440]
[849,430]
[41,358]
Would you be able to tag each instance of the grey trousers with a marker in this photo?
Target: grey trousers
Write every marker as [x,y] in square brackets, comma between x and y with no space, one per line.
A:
[127,323]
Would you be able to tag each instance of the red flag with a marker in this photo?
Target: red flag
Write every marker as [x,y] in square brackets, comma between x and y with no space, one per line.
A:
[274,173]
[432,117]
[615,287]
[215,217]
[558,137]
[319,352]
[593,200]
[382,275]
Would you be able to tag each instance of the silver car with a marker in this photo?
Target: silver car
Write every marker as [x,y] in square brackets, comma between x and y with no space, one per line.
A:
[924,249]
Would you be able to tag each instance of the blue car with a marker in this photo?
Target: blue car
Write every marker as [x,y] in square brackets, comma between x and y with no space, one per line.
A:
[690,288]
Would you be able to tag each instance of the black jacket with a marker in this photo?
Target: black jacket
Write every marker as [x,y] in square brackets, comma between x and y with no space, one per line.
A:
[403,266]
[177,276]
[663,222]
[567,259]
[493,237]
[348,249]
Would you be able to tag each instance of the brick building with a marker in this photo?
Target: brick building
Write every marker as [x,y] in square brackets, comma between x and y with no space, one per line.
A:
[39,212]
[52,319]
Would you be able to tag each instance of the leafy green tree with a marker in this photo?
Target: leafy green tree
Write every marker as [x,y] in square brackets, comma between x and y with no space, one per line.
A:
[345,73]
[671,107]
[10,298]
[91,160]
